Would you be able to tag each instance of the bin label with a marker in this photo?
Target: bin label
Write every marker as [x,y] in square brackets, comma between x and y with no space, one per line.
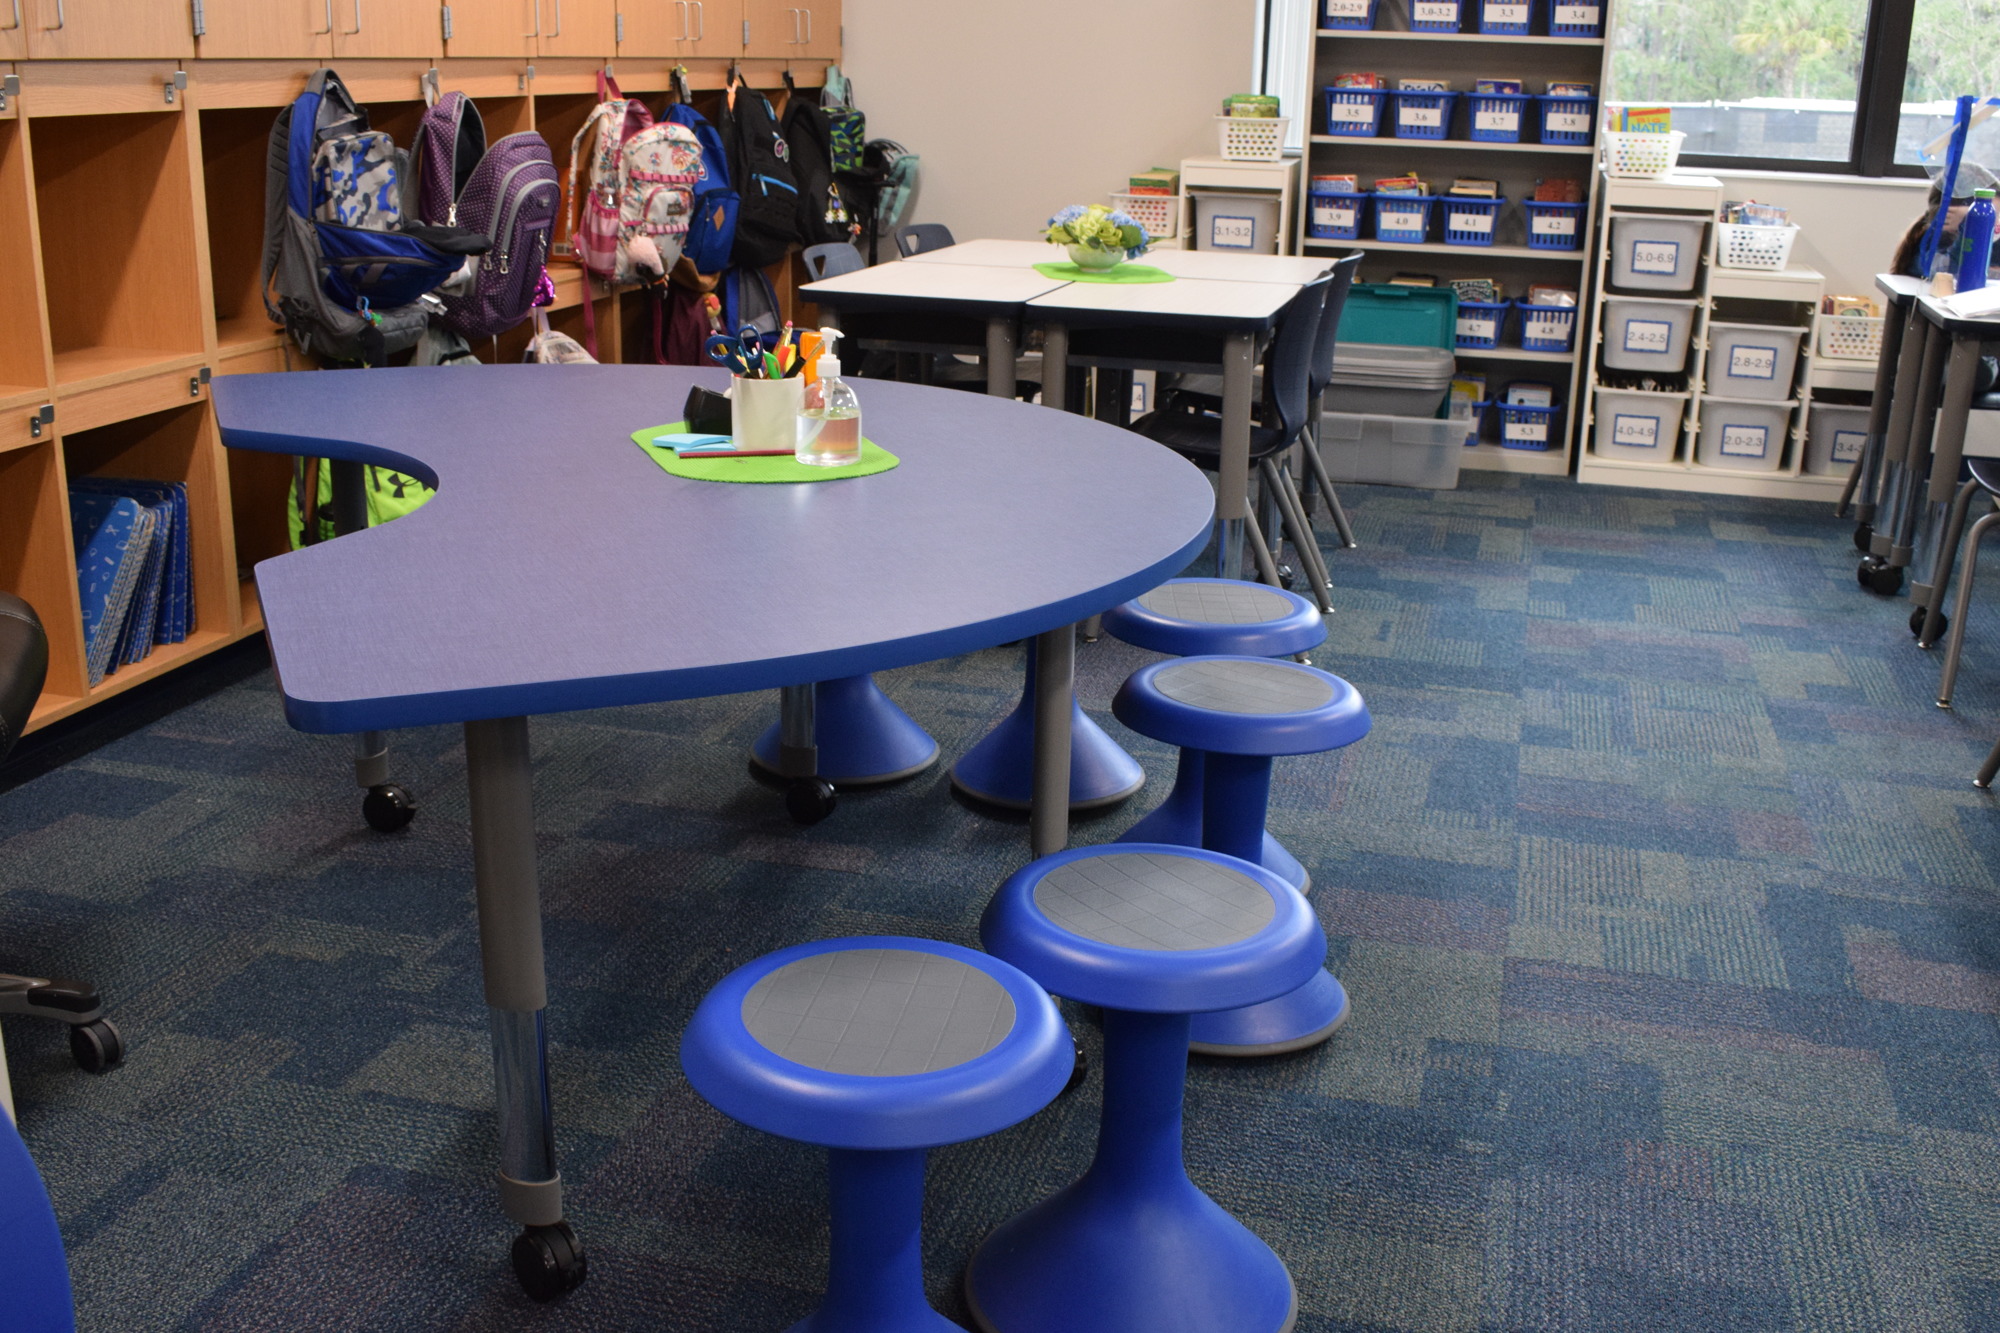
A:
[1437,11]
[1232,233]
[1392,220]
[1339,217]
[1553,224]
[1567,122]
[1423,117]
[1347,9]
[1648,335]
[1745,441]
[1635,432]
[1478,328]
[1656,257]
[1847,445]
[1498,122]
[1575,16]
[1352,113]
[1536,430]
[1545,329]
[1753,363]
[1505,15]
[1479,222]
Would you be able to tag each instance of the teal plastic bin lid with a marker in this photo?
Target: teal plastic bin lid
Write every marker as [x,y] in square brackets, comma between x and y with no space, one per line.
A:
[1380,312]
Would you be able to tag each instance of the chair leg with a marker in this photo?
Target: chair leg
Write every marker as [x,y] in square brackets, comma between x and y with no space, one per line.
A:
[1955,643]
[1288,490]
[1325,483]
[1954,530]
[1267,568]
[1295,524]
[1988,769]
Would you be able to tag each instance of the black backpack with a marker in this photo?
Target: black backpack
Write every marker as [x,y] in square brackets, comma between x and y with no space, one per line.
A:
[824,214]
[767,220]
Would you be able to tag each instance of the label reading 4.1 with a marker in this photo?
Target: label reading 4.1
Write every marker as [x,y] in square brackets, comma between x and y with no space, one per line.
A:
[1753,363]
[1227,233]
[1745,441]
[1635,432]
[1648,335]
[1479,222]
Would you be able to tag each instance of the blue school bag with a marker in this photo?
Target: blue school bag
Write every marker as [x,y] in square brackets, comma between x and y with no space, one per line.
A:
[712,219]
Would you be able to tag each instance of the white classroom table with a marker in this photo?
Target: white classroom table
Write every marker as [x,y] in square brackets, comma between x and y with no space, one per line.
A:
[994,293]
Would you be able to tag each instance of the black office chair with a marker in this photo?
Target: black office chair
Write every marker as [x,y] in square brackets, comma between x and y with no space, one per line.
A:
[916,238]
[1321,376]
[1195,433]
[24,664]
[831,260]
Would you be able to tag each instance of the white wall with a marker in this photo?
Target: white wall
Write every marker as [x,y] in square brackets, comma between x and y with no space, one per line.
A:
[1849,226]
[1020,107]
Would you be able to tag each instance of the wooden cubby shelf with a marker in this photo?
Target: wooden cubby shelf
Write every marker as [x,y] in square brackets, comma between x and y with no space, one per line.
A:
[117,332]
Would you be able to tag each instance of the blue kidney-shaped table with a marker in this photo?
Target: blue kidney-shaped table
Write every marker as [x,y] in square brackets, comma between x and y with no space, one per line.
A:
[560,568]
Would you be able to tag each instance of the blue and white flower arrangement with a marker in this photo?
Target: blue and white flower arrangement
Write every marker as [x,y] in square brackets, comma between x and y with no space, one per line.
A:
[1097,236]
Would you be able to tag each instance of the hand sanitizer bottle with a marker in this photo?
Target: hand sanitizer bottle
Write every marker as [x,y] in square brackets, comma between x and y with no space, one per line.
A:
[830,421]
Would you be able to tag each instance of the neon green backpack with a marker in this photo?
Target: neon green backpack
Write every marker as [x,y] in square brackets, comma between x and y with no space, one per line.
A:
[309,506]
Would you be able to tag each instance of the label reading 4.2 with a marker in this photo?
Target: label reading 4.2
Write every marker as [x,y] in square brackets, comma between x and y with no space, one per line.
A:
[1554,224]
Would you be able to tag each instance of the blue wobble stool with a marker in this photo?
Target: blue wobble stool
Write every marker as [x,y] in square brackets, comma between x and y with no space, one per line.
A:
[1194,617]
[1240,712]
[880,1048]
[34,1279]
[1153,934]
[1000,769]
[863,737]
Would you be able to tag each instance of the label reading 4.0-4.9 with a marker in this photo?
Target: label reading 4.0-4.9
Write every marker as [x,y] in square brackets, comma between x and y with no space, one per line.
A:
[1635,432]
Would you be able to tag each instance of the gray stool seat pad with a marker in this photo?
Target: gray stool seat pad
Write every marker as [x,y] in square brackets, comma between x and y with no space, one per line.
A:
[1155,901]
[879,1012]
[1235,685]
[1215,604]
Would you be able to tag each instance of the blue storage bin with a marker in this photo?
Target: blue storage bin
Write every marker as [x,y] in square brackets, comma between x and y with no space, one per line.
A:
[1576,20]
[1347,13]
[1423,115]
[1334,215]
[1436,15]
[1496,117]
[1355,113]
[1527,427]
[1547,328]
[1403,217]
[1554,226]
[1568,119]
[1480,323]
[1469,221]
[1506,18]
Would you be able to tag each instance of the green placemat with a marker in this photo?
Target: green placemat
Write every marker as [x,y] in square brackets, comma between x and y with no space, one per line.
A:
[1068,272]
[874,458]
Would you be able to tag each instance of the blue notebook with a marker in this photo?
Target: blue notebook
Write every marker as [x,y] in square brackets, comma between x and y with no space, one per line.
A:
[113,536]
[174,615]
[144,618]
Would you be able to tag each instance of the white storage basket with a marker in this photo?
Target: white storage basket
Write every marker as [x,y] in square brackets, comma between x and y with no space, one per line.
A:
[1159,214]
[1850,337]
[1765,248]
[1641,156]
[1253,138]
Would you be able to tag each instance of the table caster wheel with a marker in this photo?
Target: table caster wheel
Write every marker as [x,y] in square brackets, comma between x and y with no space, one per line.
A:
[549,1261]
[1879,576]
[809,800]
[1079,1072]
[1864,535]
[1917,622]
[388,808]
[96,1047]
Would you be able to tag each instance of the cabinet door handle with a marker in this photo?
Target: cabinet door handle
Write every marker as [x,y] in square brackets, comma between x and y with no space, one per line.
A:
[701,21]
[62,19]
[321,32]
[795,26]
[558,31]
[17,18]
[538,19]
[809,25]
[349,32]
[682,5]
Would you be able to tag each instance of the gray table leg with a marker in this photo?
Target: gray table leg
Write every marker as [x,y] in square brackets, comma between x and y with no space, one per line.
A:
[1902,415]
[1000,366]
[1239,357]
[1917,452]
[798,731]
[1055,366]
[1947,452]
[500,784]
[1055,691]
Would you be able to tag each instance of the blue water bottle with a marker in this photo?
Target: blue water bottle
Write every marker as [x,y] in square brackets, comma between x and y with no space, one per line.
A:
[1975,251]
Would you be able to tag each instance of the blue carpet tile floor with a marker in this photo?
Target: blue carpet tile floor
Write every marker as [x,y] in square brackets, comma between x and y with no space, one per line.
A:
[1666,904]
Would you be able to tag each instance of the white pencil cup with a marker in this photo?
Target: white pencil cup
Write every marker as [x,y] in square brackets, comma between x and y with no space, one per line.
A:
[764,414]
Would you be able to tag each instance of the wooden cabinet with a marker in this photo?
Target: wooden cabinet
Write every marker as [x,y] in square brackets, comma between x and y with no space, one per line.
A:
[771,28]
[266,29]
[822,31]
[652,29]
[14,29]
[490,28]
[715,28]
[387,29]
[586,28]
[108,29]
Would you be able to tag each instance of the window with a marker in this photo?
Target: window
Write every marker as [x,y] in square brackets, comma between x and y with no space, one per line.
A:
[1282,54]
[1826,85]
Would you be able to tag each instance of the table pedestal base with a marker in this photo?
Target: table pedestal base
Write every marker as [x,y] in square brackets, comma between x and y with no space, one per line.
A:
[862,736]
[1000,770]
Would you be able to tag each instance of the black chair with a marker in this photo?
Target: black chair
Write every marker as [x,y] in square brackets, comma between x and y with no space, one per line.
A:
[1322,375]
[24,664]
[1195,433]
[916,238]
[831,260]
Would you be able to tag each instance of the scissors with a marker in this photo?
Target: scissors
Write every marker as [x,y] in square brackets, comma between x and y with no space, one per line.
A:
[743,354]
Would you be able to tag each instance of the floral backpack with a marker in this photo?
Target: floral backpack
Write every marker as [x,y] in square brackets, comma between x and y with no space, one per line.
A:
[627,224]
